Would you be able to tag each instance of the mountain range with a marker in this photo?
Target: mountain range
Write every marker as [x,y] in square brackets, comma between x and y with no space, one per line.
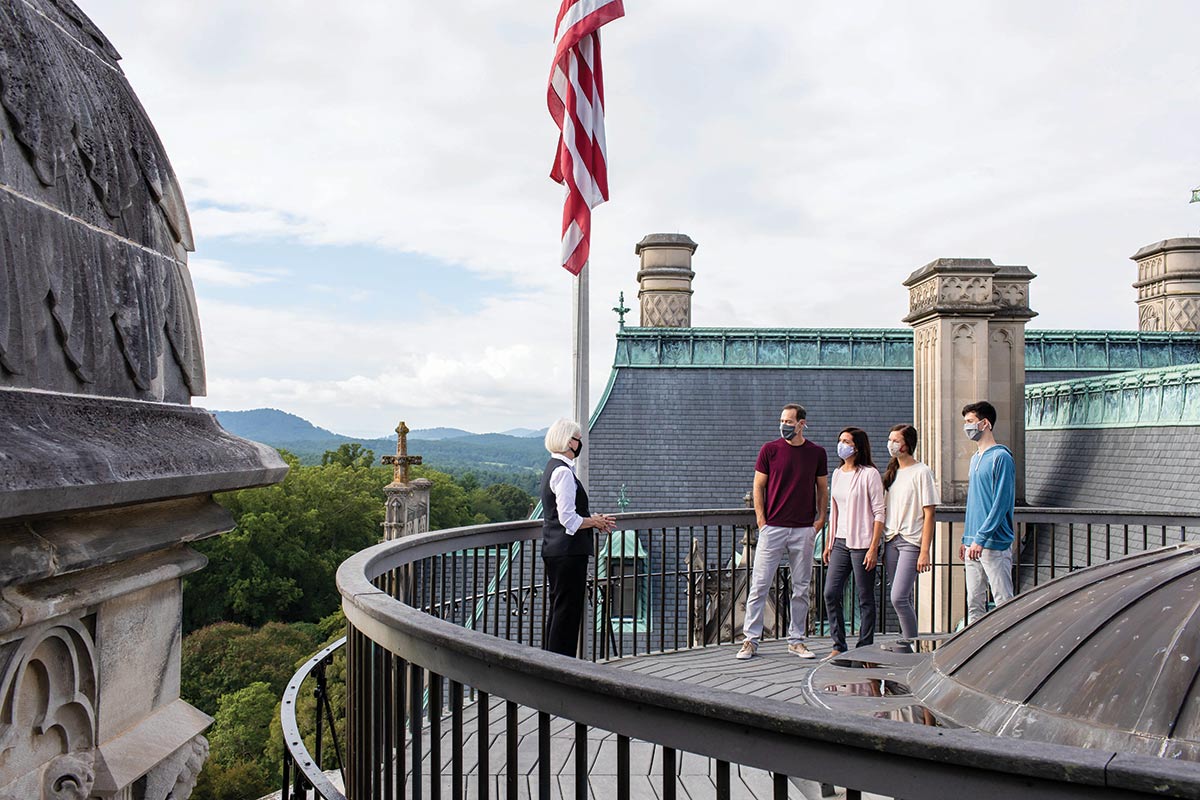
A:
[516,456]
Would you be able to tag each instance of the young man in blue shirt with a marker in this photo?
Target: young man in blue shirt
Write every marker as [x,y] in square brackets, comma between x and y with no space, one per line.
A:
[986,549]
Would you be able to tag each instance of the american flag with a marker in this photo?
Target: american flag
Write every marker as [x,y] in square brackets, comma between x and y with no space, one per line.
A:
[576,101]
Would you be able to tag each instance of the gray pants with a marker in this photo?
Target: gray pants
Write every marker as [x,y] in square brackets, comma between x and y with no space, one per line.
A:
[773,544]
[900,559]
[842,561]
[994,569]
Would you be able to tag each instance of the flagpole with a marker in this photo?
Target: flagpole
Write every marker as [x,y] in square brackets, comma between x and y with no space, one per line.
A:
[579,359]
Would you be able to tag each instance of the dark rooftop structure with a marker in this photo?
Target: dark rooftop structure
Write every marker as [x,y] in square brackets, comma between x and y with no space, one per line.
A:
[1107,657]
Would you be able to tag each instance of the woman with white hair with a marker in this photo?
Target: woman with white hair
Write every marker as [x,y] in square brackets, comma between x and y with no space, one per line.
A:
[566,540]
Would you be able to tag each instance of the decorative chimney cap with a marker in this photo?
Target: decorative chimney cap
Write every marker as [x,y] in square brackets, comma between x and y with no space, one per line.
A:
[680,240]
[1183,243]
[983,266]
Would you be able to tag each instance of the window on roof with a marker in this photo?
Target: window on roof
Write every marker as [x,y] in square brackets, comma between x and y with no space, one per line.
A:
[623,583]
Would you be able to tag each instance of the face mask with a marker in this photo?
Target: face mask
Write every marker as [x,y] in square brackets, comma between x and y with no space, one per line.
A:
[575,451]
[845,450]
[788,431]
[971,429]
[894,449]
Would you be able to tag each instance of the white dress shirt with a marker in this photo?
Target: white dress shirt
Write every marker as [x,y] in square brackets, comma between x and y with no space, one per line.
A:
[562,483]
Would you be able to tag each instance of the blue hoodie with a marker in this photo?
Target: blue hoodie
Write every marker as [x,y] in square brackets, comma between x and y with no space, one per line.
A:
[991,493]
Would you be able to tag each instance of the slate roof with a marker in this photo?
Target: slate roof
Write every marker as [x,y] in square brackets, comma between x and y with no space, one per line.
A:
[689,438]
[687,409]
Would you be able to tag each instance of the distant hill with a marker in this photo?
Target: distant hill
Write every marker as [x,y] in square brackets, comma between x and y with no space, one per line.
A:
[271,424]
[436,433]
[492,457]
[525,433]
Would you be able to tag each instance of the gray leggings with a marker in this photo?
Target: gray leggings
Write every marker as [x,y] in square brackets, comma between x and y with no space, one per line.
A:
[900,559]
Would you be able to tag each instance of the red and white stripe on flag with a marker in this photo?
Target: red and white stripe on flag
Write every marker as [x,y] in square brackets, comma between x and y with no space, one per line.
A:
[576,101]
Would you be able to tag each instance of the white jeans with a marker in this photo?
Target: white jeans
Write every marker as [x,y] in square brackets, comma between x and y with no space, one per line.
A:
[994,568]
[773,544]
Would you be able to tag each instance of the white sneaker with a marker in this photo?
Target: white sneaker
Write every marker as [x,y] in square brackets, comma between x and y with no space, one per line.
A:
[748,651]
[799,649]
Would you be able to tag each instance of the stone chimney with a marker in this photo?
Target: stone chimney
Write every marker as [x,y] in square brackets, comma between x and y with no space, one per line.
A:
[968,317]
[665,280]
[1168,285]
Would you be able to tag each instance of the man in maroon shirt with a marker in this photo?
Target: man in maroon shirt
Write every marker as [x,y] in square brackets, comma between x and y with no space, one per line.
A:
[791,495]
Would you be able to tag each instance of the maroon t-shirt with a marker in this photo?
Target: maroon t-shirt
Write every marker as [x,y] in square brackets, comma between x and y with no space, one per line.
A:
[792,473]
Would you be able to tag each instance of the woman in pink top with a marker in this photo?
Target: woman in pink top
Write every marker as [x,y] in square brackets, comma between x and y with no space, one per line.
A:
[852,540]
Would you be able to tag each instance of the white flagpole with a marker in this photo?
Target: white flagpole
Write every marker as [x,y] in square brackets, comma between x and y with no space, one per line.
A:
[579,353]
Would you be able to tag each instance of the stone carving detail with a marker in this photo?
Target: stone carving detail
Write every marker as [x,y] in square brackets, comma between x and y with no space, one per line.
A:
[69,777]
[1150,268]
[175,777]
[672,310]
[1011,295]
[406,510]
[48,712]
[958,291]
[1149,319]
[1003,337]
[1155,289]
[964,333]
[1183,314]
[923,296]
[93,221]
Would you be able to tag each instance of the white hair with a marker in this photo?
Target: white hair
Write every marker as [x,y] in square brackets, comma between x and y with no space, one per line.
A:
[560,434]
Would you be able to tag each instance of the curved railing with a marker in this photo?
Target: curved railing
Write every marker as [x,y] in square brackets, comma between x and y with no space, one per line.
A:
[438,654]
[302,770]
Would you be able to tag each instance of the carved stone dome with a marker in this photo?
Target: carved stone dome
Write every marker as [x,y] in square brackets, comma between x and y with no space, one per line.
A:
[1106,657]
[95,294]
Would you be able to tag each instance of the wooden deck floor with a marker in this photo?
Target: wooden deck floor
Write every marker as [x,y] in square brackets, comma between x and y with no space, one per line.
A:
[773,673]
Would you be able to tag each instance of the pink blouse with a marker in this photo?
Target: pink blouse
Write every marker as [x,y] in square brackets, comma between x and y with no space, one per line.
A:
[857,505]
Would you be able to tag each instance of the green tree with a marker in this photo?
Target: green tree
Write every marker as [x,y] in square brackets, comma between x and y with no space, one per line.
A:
[237,766]
[514,502]
[241,724]
[221,659]
[279,562]
[237,782]
[351,454]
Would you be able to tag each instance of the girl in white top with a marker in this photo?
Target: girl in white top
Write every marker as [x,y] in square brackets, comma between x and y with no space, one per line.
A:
[852,544]
[912,495]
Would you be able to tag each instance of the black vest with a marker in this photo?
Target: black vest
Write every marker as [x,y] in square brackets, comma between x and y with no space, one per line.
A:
[555,539]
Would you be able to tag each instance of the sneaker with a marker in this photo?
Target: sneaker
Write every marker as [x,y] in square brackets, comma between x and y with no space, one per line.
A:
[798,649]
[748,651]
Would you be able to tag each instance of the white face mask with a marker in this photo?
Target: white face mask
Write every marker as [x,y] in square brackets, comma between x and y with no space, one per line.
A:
[845,450]
[894,449]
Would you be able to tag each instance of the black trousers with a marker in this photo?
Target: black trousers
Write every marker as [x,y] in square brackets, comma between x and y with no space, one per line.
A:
[567,578]
[843,561]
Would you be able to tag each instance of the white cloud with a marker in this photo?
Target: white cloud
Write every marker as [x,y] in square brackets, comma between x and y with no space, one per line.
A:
[817,156]
[361,378]
[220,273]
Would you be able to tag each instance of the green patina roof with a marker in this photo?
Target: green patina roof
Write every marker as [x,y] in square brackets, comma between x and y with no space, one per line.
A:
[1143,398]
[886,348]
[622,544]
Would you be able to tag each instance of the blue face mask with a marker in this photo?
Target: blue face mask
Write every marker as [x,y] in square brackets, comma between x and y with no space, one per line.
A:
[845,450]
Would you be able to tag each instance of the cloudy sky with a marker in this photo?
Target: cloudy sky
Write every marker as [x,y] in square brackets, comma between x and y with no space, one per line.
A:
[377,237]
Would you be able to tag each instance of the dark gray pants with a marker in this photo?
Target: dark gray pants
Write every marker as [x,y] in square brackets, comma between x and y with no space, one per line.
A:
[842,561]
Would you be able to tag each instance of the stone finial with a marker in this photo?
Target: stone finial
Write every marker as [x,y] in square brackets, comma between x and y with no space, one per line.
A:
[971,287]
[1168,285]
[665,280]
[402,460]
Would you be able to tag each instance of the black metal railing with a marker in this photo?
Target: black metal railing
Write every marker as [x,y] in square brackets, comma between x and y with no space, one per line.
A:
[442,624]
